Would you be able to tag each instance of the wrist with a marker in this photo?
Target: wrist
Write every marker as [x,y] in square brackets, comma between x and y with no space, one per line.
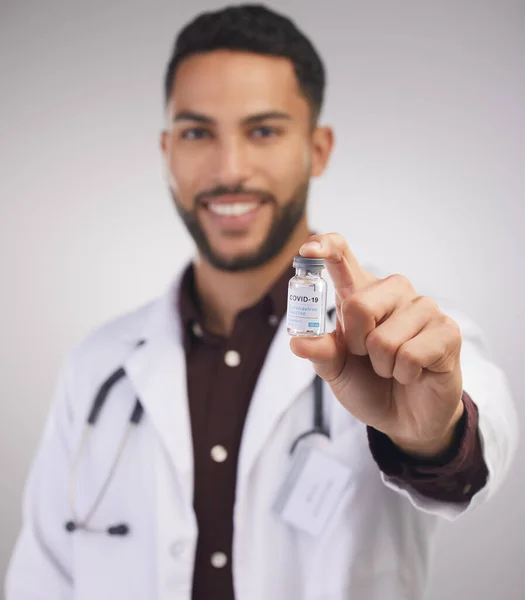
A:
[431,448]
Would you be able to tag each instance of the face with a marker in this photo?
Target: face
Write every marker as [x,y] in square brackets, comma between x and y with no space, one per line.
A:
[239,150]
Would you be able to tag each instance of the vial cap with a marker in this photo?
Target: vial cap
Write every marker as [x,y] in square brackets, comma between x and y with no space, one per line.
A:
[306,263]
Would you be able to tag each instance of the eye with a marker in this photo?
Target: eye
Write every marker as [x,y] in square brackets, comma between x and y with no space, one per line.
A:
[195,133]
[265,132]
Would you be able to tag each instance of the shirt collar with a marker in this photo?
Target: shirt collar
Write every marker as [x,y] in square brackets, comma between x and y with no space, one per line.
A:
[273,305]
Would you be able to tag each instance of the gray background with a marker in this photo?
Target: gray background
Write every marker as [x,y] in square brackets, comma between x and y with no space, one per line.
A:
[427,102]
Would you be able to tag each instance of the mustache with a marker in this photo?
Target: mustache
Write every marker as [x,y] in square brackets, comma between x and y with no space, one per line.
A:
[203,198]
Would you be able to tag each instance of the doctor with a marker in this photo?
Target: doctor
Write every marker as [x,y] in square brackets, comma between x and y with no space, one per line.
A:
[198,495]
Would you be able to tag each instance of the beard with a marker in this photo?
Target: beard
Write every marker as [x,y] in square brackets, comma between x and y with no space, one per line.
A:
[285,220]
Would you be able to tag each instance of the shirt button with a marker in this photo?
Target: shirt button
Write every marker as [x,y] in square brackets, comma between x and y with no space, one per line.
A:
[219,560]
[232,358]
[219,453]
[273,320]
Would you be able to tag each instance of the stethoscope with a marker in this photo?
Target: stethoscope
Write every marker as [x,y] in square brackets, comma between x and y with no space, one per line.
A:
[75,523]
[93,416]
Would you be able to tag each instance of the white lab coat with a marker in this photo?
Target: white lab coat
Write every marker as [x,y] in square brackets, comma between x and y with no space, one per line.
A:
[375,547]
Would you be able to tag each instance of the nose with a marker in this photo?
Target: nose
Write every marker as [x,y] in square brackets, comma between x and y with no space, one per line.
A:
[232,162]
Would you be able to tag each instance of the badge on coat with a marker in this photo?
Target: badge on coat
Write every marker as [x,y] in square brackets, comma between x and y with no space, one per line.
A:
[312,489]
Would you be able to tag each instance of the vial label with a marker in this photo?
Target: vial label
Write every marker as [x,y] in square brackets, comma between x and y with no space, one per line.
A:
[305,309]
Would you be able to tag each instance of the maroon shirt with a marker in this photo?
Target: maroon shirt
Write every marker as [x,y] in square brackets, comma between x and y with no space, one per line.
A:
[221,376]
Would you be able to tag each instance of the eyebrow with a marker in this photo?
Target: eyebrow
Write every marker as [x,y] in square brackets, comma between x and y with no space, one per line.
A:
[188,115]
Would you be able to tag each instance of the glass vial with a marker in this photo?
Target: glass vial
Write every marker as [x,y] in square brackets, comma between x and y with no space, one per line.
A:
[306,314]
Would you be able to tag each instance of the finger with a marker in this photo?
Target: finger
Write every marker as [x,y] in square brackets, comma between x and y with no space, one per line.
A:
[406,322]
[366,309]
[436,348]
[345,271]
[322,351]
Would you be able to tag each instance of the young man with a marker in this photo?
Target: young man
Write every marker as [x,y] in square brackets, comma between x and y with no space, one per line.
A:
[201,502]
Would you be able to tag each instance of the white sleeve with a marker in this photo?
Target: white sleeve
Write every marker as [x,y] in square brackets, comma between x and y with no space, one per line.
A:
[41,564]
[487,385]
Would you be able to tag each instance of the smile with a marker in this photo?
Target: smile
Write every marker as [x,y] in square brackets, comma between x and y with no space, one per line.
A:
[235,209]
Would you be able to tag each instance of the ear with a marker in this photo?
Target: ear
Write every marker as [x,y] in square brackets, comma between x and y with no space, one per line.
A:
[322,144]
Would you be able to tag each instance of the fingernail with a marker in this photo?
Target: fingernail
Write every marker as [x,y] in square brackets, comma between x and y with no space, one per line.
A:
[311,246]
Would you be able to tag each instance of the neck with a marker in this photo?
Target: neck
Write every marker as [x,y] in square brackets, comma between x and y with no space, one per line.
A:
[223,294]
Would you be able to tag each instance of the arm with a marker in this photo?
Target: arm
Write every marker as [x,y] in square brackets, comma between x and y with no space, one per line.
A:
[454,476]
[399,363]
[486,442]
[41,564]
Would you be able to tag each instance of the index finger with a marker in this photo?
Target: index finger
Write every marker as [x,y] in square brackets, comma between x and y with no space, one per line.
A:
[346,272]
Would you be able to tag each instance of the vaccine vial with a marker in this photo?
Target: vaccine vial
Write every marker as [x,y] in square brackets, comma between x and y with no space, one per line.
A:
[306,314]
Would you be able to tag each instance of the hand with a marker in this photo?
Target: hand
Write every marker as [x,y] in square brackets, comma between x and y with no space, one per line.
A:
[393,359]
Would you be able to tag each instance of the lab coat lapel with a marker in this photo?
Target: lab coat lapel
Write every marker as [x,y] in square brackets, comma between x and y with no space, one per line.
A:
[283,377]
[157,371]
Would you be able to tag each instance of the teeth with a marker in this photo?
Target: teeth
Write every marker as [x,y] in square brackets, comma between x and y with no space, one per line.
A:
[233,210]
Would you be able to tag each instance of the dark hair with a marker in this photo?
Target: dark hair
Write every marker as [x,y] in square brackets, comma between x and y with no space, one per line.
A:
[252,28]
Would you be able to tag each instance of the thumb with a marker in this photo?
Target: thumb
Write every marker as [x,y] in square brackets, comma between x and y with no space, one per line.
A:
[324,352]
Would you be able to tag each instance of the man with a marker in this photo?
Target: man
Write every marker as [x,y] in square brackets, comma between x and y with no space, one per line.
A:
[201,502]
